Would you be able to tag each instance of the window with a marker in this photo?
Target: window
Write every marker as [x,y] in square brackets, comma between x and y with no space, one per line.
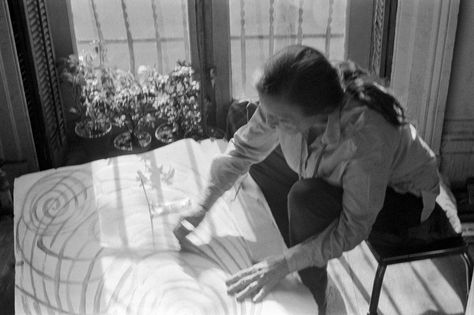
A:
[260,28]
[225,40]
[134,33]
[156,32]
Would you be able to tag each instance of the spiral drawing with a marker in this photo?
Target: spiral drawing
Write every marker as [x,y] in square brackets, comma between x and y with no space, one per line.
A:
[83,248]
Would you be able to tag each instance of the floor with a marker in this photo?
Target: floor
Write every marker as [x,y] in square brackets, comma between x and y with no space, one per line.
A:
[426,287]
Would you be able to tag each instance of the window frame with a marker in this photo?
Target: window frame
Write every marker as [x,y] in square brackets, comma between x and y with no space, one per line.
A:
[210,56]
[359,31]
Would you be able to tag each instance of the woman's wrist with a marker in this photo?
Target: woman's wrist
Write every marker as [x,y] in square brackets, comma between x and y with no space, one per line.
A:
[298,258]
[284,265]
[202,208]
[289,256]
[209,197]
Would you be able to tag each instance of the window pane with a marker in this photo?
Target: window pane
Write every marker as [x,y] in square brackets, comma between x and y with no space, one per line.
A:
[158,29]
[260,28]
[118,55]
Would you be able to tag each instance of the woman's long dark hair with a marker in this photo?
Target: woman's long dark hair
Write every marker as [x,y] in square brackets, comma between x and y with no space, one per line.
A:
[357,83]
[302,76]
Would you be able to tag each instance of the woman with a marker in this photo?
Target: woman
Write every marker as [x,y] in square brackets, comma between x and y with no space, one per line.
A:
[361,167]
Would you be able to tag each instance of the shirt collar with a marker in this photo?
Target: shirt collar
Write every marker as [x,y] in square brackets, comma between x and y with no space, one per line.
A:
[332,133]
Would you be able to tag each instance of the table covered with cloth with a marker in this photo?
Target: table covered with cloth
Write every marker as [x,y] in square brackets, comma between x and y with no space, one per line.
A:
[97,239]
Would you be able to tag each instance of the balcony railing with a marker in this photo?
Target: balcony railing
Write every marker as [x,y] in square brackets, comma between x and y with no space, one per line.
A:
[156,32]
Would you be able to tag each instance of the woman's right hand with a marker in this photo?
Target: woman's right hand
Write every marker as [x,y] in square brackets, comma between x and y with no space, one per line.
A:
[187,223]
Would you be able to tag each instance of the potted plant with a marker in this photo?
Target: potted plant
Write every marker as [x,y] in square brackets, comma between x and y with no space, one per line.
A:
[93,93]
[134,109]
[178,105]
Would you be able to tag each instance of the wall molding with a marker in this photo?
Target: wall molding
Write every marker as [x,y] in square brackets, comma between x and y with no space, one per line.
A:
[16,136]
[458,136]
[457,150]
[424,43]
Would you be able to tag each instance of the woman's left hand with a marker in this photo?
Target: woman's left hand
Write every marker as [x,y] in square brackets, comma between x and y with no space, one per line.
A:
[258,280]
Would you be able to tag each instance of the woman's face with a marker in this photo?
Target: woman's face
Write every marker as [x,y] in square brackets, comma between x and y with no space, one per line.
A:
[287,117]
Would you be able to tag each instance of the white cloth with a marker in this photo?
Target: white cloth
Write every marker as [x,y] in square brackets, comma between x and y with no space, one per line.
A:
[97,239]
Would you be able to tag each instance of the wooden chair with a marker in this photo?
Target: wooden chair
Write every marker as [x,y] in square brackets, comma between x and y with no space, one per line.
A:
[389,256]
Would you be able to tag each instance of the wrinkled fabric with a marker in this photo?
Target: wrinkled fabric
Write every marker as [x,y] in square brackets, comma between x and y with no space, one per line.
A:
[358,150]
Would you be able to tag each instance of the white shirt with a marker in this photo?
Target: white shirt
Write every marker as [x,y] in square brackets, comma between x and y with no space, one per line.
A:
[359,151]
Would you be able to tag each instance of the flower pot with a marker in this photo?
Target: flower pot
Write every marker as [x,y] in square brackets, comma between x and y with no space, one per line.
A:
[164,133]
[95,142]
[215,133]
[137,142]
[89,130]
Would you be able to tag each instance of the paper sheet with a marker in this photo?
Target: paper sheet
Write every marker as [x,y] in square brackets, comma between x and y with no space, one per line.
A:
[97,239]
